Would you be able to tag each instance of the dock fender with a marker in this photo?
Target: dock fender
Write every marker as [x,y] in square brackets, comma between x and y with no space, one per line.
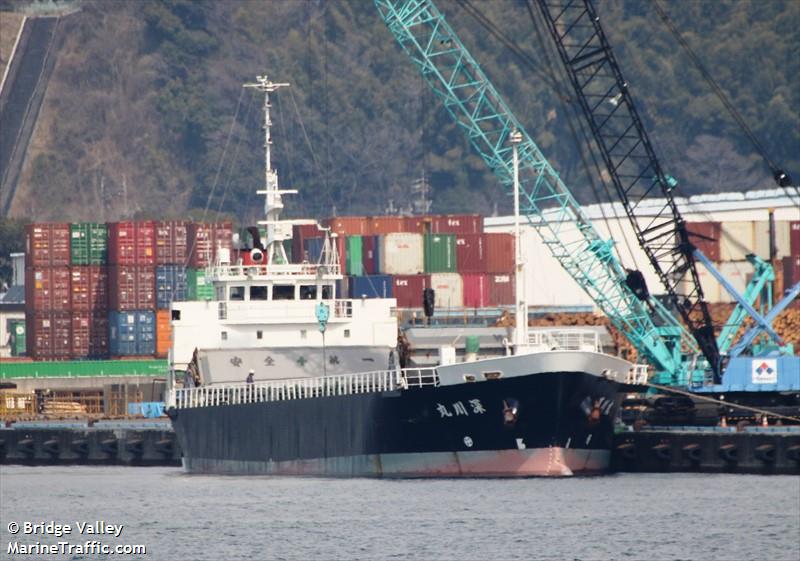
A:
[109,445]
[693,452]
[134,446]
[766,453]
[729,453]
[663,452]
[793,453]
[627,450]
[25,446]
[80,446]
[164,446]
[51,446]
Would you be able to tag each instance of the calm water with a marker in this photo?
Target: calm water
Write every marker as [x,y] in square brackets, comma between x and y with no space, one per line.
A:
[652,517]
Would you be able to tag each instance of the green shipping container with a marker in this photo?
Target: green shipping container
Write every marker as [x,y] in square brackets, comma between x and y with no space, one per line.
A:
[196,286]
[88,243]
[440,253]
[16,330]
[354,256]
[83,368]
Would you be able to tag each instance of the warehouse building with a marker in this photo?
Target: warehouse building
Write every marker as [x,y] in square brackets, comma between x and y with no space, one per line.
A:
[738,221]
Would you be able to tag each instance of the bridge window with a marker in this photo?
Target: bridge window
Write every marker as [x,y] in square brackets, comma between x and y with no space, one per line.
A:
[327,292]
[259,334]
[236,293]
[258,293]
[283,292]
[308,292]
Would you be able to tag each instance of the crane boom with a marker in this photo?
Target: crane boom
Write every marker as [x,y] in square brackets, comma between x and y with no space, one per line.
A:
[476,107]
[629,157]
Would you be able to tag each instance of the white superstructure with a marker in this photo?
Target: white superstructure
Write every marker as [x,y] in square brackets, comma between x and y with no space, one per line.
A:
[279,319]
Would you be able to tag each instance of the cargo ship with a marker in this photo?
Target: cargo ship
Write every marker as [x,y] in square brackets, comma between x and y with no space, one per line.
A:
[278,374]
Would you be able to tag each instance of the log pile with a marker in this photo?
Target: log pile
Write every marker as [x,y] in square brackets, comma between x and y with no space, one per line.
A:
[786,325]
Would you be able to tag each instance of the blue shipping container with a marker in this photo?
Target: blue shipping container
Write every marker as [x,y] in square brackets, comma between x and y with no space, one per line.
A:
[372,286]
[171,285]
[132,333]
[313,249]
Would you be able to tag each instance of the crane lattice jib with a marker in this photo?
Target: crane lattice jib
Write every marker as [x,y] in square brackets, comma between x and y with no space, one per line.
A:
[479,111]
[629,157]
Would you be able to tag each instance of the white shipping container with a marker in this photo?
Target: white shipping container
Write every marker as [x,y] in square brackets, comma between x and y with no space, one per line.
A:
[738,274]
[782,239]
[449,290]
[402,254]
[711,286]
[738,239]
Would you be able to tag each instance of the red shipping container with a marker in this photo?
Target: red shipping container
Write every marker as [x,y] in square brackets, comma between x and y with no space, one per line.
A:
[457,224]
[131,243]
[89,285]
[203,239]
[501,290]
[476,290]
[47,289]
[499,249]
[470,254]
[794,238]
[705,230]
[417,224]
[98,335]
[300,233]
[170,242]
[348,225]
[379,225]
[81,334]
[407,289]
[49,335]
[370,256]
[47,245]
[131,288]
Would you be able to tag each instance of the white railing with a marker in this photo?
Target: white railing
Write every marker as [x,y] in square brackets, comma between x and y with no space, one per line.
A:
[223,272]
[302,388]
[565,340]
[637,374]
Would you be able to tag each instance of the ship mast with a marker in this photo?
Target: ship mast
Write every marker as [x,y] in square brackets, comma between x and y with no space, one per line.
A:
[273,203]
[521,308]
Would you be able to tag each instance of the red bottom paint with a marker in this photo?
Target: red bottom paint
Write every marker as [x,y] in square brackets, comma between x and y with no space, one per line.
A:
[537,462]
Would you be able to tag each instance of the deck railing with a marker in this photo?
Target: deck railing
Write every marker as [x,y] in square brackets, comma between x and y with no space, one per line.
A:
[565,340]
[302,388]
[637,374]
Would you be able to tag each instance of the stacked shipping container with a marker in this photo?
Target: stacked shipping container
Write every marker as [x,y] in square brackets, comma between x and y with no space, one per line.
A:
[409,250]
[87,283]
[47,291]
[132,287]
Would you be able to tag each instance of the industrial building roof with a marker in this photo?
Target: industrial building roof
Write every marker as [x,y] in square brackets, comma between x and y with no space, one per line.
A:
[787,197]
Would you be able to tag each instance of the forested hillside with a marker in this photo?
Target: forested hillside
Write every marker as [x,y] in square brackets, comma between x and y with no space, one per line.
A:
[140,110]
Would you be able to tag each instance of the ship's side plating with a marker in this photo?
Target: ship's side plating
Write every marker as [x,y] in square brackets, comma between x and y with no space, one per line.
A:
[543,423]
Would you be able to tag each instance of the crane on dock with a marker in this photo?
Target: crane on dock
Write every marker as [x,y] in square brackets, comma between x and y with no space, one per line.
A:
[680,352]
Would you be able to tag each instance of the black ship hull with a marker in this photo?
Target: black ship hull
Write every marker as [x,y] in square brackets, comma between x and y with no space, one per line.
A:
[543,424]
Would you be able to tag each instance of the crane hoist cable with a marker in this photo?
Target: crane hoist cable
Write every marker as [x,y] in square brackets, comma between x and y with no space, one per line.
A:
[781,177]
[561,79]
[551,79]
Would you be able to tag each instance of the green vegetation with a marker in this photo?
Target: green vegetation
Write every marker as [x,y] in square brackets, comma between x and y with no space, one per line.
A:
[139,112]
[12,240]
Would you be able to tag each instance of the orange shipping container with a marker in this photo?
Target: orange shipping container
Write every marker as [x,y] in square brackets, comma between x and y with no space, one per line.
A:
[499,250]
[163,333]
[348,225]
[379,225]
